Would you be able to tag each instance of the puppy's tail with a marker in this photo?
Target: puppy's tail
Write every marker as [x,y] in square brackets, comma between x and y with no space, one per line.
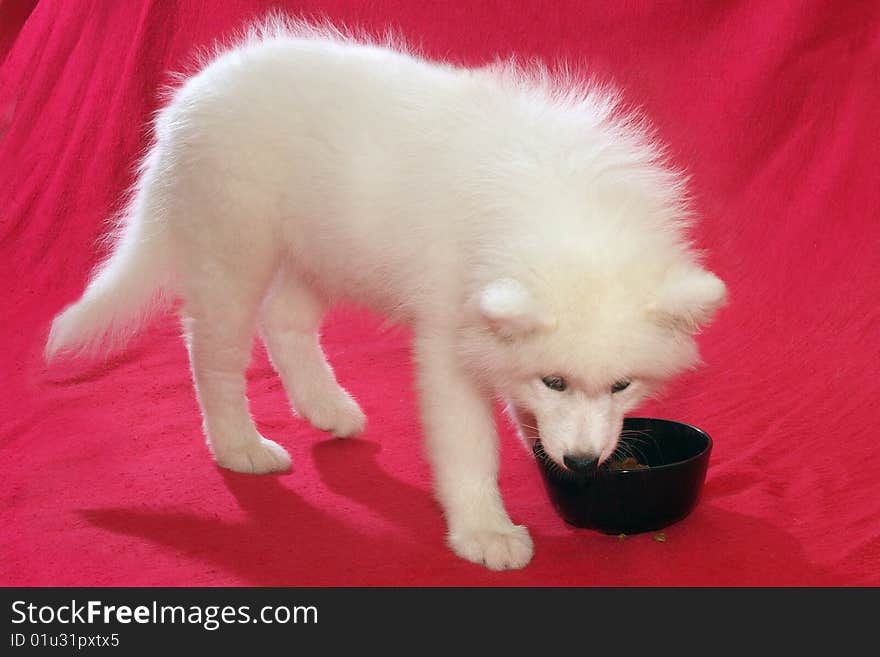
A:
[124,292]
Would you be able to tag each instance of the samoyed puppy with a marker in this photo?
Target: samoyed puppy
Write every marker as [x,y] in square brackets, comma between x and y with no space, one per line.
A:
[518,220]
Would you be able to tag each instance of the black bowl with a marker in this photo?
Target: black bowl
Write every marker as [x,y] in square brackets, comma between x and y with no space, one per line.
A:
[637,500]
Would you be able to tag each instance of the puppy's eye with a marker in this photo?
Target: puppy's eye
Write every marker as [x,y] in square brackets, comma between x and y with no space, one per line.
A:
[556,383]
[620,385]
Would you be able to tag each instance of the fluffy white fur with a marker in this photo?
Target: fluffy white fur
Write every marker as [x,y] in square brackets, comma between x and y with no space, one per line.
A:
[519,220]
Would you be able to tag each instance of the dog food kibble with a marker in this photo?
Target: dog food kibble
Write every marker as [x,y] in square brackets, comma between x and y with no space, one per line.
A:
[659,537]
[629,463]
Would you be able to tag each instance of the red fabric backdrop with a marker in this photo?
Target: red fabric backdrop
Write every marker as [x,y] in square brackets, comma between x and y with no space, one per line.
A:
[772,106]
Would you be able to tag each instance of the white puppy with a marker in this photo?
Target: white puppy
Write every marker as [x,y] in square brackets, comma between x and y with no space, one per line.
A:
[523,226]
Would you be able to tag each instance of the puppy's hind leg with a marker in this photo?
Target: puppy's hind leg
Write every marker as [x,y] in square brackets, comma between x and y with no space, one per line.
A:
[290,318]
[219,320]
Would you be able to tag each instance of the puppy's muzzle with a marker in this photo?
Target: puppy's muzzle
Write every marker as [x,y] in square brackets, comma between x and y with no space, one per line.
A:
[581,464]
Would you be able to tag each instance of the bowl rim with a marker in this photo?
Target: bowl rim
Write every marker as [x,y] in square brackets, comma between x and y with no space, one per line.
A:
[674,464]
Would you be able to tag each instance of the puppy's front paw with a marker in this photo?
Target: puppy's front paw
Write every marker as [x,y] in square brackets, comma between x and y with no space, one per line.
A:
[507,548]
[258,457]
[340,415]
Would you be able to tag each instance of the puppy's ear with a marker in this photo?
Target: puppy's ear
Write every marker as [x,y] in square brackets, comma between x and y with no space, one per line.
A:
[510,310]
[688,298]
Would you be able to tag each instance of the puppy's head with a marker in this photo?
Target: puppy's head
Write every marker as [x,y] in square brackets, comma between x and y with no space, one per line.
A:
[571,355]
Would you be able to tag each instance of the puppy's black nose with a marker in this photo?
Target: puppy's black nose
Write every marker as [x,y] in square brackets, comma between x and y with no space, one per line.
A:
[581,464]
